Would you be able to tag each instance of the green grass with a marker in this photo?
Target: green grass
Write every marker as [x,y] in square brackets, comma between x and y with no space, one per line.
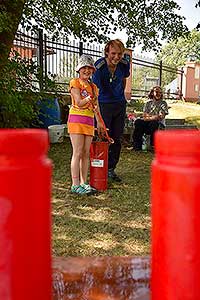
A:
[115,222]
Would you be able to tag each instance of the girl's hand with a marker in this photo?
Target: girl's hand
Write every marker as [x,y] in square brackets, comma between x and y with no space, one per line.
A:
[95,108]
[90,106]
[87,99]
[100,128]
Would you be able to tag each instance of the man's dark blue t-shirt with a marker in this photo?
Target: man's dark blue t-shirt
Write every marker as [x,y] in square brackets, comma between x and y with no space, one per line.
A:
[111,88]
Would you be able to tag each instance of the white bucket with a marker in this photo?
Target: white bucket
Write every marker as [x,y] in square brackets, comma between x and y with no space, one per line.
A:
[56,133]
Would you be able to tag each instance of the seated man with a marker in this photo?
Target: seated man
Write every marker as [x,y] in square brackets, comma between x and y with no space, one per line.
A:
[154,113]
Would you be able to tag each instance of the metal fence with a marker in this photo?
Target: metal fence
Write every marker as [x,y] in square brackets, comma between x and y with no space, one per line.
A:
[147,73]
[59,58]
[55,58]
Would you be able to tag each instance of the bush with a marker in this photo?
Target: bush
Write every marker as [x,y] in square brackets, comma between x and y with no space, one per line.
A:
[19,92]
[137,104]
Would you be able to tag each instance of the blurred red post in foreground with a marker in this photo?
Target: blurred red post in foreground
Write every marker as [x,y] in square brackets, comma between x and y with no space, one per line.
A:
[175,216]
[25,174]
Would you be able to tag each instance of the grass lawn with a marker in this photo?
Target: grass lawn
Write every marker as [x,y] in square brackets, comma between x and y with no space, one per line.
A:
[115,222]
[188,111]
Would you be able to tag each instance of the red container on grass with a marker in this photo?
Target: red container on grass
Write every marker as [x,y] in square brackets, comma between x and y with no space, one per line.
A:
[25,182]
[99,165]
[175,196]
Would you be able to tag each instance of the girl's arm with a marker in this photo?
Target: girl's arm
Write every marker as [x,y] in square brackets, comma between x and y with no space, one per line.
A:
[75,92]
[99,119]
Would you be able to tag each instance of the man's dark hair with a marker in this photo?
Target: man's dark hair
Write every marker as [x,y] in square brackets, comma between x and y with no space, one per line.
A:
[152,91]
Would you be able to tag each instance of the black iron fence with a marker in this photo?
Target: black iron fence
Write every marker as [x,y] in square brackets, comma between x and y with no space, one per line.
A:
[60,57]
[147,73]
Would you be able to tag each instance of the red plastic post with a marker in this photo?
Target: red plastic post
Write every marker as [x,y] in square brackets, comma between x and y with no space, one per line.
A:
[175,216]
[25,174]
[99,165]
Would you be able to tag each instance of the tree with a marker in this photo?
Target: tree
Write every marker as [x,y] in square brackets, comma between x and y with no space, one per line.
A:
[145,21]
[177,52]
[141,74]
[10,15]
[198,4]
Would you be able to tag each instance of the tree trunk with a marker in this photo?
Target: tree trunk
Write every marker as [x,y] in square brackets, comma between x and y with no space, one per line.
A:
[11,14]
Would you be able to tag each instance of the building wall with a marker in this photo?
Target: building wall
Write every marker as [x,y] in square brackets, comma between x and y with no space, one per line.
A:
[190,82]
[24,52]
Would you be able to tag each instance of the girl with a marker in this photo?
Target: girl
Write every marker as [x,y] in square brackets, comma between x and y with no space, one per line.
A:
[81,123]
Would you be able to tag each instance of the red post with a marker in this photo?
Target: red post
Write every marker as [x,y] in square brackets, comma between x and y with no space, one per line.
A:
[25,172]
[175,216]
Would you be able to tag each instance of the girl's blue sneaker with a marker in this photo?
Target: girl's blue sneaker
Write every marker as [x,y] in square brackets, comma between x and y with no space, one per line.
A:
[88,187]
[80,189]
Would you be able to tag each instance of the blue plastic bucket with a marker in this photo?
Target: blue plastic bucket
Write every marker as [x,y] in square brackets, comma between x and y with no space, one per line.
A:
[49,113]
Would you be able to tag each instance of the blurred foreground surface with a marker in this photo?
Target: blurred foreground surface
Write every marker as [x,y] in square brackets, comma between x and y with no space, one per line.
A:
[101,278]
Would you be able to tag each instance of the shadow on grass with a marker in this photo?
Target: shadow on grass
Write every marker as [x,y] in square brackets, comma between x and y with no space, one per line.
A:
[115,222]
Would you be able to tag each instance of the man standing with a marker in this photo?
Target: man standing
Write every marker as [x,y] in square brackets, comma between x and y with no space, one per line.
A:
[110,77]
[178,94]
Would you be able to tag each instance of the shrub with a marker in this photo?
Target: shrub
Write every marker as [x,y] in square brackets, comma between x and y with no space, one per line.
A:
[19,92]
[137,104]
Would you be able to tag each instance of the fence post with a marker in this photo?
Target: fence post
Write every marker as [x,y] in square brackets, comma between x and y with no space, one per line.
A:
[45,55]
[41,54]
[80,48]
[160,73]
[181,84]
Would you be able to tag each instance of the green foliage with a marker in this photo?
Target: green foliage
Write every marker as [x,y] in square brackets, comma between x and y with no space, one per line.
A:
[19,92]
[198,4]
[136,105]
[4,20]
[177,52]
[145,22]
[140,78]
